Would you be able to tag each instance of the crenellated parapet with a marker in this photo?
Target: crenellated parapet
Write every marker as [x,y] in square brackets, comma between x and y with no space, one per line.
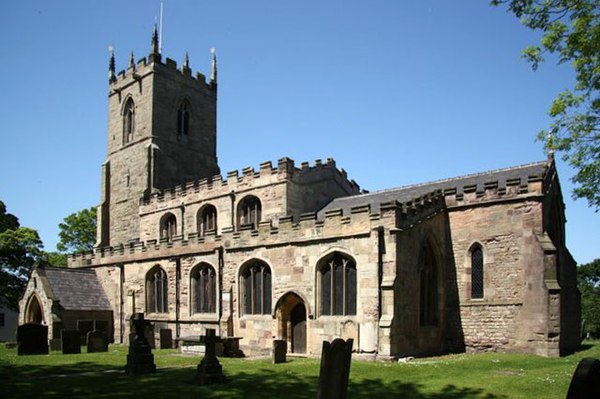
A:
[249,178]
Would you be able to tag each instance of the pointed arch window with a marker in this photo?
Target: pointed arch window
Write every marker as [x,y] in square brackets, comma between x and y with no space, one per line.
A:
[249,213]
[337,285]
[204,289]
[128,121]
[255,286]
[207,220]
[428,294]
[156,291]
[477,272]
[183,119]
[168,227]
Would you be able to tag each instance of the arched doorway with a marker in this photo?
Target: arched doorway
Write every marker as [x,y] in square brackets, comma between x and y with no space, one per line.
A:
[298,327]
[291,322]
[34,313]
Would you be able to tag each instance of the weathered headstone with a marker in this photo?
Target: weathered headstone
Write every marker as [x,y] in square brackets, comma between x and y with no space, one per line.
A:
[209,370]
[32,339]
[140,359]
[585,383]
[166,338]
[71,341]
[335,369]
[279,351]
[97,341]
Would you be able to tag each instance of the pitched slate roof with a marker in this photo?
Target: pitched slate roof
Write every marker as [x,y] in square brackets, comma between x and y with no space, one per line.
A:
[76,289]
[409,193]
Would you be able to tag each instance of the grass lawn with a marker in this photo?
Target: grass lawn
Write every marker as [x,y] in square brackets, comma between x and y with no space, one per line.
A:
[469,376]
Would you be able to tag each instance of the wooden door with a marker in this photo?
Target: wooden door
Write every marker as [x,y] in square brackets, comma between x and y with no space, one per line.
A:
[298,319]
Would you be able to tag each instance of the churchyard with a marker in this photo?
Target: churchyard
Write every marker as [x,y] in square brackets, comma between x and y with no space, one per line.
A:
[468,376]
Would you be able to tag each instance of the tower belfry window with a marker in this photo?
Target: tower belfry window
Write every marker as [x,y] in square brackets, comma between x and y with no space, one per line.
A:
[128,121]
[183,120]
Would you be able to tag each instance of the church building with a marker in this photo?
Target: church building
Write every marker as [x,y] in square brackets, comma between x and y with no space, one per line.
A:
[298,252]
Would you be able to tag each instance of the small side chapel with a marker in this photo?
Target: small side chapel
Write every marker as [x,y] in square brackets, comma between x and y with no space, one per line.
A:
[299,253]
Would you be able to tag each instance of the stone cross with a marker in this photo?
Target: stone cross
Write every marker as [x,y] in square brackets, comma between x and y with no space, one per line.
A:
[209,370]
[140,359]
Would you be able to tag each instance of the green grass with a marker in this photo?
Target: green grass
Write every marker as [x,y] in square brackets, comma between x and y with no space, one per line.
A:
[469,376]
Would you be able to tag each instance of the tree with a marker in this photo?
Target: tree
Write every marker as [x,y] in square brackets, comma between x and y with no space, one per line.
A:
[588,277]
[20,248]
[571,31]
[78,231]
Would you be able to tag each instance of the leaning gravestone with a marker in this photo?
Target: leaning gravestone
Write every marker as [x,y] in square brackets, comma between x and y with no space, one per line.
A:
[210,371]
[586,380]
[97,341]
[335,369]
[140,359]
[71,341]
[279,351]
[166,338]
[32,339]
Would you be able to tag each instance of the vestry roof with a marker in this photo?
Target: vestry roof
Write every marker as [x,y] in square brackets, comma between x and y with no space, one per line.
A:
[76,289]
[408,193]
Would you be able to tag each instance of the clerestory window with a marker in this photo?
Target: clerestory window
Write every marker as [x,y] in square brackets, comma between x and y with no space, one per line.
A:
[168,227]
[207,220]
[249,212]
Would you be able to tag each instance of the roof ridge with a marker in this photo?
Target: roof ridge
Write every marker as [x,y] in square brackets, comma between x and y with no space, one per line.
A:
[388,190]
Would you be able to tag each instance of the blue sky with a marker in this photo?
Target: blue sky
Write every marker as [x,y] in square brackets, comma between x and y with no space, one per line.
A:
[397,92]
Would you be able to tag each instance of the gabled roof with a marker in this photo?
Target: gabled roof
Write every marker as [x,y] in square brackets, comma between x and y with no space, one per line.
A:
[76,289]
[409,193]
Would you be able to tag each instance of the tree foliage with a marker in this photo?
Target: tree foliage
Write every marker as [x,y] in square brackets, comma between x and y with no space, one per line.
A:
[588,277]
[571,31]
[78,231]
[20,248]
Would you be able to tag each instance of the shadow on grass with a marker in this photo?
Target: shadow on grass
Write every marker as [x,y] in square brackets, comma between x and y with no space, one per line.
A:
[93,380]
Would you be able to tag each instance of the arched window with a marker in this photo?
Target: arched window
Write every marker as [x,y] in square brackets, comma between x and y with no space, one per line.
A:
[207,220]
[128,121]
[168,227]
[255,287]
[204,289]
[248,212]
[337,275]
[428,303]
[477,272]
[156,291]
[183,119]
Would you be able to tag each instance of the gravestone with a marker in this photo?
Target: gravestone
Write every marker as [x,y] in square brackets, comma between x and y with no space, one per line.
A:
[209,370]
[71,341]
[586,380]
[32,339]
[335,369]
[97,341]
[55,344]
[279,351]
[140,359]
[166,339]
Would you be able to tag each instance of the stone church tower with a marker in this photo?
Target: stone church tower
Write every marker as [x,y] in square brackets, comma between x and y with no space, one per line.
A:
[161,133]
